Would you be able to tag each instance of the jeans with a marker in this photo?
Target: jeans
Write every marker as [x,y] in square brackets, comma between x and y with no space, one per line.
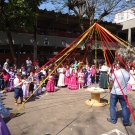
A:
[18,93]
[125,111]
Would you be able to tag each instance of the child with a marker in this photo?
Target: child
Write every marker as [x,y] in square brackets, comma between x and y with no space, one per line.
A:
[50,87]
[67,75]
[18,88]
[11,80]
[80,79]
[6,78]
[88,77]
[73,81]
[31,83]
[25,87]
[36,85]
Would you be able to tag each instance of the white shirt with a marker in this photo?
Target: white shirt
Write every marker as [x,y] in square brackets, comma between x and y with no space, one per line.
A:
[43,71]
[28,63]
[16,81]
[104,68]
[122,79]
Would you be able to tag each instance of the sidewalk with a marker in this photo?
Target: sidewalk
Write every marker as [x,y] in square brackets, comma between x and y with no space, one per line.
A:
[65,113]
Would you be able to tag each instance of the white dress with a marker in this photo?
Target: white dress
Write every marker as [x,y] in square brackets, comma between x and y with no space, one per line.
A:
[132,79]
[61,77]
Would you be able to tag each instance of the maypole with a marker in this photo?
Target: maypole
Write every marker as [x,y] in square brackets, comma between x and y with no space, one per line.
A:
[95,61]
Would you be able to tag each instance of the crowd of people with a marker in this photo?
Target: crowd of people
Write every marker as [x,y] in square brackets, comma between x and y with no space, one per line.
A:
[74,76]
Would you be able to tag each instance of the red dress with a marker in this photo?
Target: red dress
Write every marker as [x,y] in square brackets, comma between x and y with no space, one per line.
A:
[73,85]
[50,87]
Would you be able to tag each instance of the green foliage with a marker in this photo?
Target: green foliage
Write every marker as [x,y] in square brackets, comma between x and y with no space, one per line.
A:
[16,15]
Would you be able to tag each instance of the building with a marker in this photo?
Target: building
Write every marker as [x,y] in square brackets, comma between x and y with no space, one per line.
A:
[54,31]
[127,20]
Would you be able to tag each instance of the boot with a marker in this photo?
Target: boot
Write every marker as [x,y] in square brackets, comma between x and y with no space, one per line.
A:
[21,99]
[16,102]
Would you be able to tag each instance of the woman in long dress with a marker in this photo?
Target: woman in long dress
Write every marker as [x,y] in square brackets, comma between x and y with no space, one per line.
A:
[132,78]
[61,82]
[104,78]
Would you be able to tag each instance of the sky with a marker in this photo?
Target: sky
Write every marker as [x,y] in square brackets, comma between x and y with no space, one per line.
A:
[47,6]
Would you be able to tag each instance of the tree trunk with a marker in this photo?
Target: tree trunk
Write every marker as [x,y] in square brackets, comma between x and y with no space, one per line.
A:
[11,46]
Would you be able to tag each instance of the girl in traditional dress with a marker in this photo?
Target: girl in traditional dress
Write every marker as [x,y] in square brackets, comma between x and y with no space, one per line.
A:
[67,75]
[73,84]
[71,68]
[11,80]
[36,85]
[80,79]
[88,76]
[131,82]
[31,83]
[93,74]
[61,76]
[25,87]
[50,87]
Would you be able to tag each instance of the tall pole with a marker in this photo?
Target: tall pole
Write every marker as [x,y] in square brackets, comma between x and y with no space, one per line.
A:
[95,54]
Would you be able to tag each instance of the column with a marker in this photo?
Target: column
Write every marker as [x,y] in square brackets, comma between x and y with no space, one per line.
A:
[129,35]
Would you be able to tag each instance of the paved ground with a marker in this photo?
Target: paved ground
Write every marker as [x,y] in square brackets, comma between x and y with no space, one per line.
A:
[65,113]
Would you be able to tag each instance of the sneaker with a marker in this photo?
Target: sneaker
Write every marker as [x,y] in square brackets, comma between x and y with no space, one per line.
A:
[109,120]
[129,124]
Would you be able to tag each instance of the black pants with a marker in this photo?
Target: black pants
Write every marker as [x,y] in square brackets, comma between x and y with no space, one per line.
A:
[92,79]
[6,84]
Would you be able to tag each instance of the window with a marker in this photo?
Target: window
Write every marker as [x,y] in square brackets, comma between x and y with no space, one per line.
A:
[22,52]
[56,29]
[69,31]
[28,52]
[2,51]
[7,51]
[51,29]
[63,30]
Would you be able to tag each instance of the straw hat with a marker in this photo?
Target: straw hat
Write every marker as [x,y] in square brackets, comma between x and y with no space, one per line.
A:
[18,74]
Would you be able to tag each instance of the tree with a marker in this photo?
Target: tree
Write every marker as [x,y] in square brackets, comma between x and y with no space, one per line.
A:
[15,16]
[92,9]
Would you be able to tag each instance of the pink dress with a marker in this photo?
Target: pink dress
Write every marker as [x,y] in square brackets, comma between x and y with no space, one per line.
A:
[80,78]
[50,87]
[67,76]
[73,82]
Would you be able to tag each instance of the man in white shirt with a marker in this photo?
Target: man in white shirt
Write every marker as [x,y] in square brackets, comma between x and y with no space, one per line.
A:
[118,87]
[28,62]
